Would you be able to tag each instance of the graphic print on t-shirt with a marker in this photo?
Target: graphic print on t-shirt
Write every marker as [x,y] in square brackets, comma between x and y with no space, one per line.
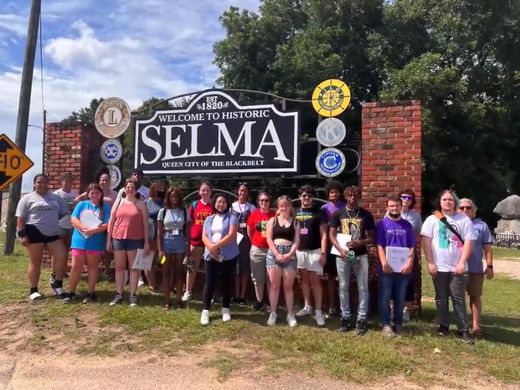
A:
[352,226]
[447,238]
[261,227]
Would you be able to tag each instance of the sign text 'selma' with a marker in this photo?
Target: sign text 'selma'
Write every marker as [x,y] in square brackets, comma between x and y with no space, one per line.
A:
[13,162]
[215,134]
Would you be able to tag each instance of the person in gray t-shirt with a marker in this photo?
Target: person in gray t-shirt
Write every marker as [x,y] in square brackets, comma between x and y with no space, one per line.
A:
[37,225]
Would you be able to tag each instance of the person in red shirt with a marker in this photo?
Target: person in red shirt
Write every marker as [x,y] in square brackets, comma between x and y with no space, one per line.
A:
[199,211]
[256,230]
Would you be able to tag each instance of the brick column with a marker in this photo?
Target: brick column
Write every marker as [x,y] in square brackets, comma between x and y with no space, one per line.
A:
[390,152]
[70,149]
[391,162]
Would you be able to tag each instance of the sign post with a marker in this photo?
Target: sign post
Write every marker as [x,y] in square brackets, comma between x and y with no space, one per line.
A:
[13,162]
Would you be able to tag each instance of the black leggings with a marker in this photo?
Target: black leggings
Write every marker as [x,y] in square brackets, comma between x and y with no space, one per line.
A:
[213,269]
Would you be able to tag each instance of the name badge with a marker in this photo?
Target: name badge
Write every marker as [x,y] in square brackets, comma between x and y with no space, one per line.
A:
[175,232]
[304,231]
[242,225]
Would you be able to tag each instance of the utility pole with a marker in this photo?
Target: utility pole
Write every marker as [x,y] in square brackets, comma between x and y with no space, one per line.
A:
[22,121]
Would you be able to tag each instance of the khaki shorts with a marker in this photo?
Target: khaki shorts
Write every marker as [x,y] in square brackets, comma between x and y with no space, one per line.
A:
[310,260]
[258,267]
[474,286]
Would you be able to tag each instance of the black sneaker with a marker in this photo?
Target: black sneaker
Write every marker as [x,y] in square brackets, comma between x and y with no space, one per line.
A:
[68,298]
[58,291]
[466,338]
[117,300]
[361,327]
[89,298]
[344,325]
[259,305]
[443,331]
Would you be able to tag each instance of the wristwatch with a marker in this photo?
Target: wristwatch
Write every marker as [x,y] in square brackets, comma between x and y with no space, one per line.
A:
[490,266]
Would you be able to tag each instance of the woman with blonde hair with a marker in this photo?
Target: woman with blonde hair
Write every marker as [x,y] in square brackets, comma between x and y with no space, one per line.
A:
[283,238]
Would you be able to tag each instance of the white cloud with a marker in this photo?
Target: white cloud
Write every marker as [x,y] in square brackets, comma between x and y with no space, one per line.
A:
[132,49]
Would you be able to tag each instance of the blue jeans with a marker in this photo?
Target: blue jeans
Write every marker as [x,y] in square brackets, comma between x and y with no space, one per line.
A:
[392,286]
[360,269]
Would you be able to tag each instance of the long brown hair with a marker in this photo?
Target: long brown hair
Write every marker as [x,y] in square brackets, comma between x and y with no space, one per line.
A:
[96,186]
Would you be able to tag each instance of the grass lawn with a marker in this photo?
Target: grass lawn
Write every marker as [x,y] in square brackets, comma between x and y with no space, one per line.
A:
[506,253]
[420,356]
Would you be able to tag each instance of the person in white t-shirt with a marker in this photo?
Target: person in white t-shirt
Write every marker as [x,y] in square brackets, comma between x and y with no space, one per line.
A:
[447,240]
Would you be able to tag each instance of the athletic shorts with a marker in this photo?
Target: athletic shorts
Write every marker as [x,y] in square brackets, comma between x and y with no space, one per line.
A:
[127,244]
[83,252]
[36,237]
[310,260]
[271,261]
[475,285]
[330,266]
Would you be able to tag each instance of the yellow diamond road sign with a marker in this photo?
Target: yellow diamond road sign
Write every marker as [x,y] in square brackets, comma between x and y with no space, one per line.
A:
[13,162]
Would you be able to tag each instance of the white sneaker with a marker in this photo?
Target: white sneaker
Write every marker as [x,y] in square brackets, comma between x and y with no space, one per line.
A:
[226,315]
[320,319]
[140,282]
[306,311]
[186,297]
[406,315]
[204,317]
[271,321]
[35,296]
[291,320]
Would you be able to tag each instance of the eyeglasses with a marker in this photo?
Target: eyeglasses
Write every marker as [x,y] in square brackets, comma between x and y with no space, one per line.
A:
[263,200]
[466,208]
[406,197]
[307,195]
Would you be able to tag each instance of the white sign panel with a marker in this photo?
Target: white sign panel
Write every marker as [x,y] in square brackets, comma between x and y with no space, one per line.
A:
[331,132]
[115,176]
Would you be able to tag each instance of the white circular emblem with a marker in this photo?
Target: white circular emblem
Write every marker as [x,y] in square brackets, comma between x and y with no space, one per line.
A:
[330,132]
[111,151]
[115,176]
[330,162]
[112,117]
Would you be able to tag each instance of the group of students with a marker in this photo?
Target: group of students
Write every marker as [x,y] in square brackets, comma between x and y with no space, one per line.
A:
[237,241]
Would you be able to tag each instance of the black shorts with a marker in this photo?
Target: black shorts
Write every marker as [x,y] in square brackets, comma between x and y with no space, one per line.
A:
[330,266]
[36,237]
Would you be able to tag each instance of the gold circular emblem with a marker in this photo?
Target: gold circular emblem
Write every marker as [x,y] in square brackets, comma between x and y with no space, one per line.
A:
[112,117]
[331,97]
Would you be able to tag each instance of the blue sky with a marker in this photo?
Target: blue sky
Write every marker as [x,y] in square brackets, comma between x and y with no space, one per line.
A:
[134,49]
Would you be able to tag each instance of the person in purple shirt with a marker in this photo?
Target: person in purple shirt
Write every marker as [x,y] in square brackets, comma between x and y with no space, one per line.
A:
[481,246]
[395,240]
[334,191]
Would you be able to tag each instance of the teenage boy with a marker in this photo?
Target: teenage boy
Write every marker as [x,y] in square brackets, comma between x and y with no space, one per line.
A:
[350,231]
[395,239]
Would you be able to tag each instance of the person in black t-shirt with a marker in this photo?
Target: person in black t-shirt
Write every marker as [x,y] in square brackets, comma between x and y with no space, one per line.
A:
[311,253]
[350,231]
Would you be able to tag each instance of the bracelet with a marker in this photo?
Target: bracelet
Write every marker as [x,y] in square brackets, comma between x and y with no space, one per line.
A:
[21,233]
[490,266]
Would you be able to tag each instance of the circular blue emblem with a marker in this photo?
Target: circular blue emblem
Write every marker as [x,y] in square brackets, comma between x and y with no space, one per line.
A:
[111,151]
[330,162]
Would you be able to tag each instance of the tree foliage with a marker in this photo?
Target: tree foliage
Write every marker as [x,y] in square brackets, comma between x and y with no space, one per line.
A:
[459,57]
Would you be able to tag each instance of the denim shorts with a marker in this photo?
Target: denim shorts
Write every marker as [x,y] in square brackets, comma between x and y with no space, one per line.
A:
[174,244]
[126,244]
[271,261]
